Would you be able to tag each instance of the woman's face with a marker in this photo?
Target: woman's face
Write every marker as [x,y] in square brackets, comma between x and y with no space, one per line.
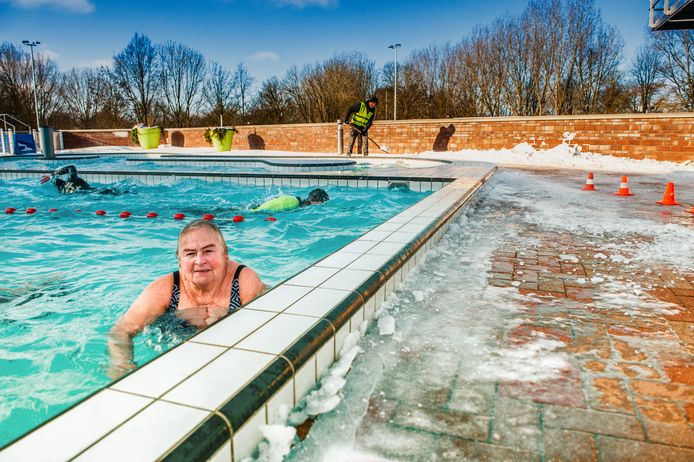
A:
[201,257]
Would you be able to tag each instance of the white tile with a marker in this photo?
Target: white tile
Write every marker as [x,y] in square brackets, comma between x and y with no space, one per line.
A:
[305,377]
[356,320]
[370,261]
[339,259]
[279,298]
[234,328]
[313,276]
[375,236]
[65,436]
[347,279]
[340,337]
[388,226]
[401,237]
[413,228]
[220,380]
[387,248]
[278,334]
[248,436]
[325,358]
[283,398]
[148,435]
[169,369]
[318,302]
[358,246]
[223,454]
[369,308]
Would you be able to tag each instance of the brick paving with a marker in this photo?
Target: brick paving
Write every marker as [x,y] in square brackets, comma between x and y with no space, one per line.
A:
[626,394]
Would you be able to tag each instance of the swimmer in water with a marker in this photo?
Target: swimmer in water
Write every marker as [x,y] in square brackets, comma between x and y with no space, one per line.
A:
[73,183]
[286,202]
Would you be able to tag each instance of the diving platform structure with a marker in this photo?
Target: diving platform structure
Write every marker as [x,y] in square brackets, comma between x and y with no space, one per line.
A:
[671,14]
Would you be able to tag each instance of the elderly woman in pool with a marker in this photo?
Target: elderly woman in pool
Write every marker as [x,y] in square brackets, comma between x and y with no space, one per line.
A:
[206,287]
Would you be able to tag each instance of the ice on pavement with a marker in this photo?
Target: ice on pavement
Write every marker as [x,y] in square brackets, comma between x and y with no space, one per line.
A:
[452,325]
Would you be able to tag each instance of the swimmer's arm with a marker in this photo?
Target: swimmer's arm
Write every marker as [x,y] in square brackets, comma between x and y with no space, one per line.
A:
[151,304]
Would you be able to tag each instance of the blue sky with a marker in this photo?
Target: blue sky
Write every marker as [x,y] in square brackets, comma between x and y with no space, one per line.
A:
[268,35]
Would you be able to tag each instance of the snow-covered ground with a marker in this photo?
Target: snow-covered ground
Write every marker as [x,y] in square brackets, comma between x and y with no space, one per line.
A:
[446,326]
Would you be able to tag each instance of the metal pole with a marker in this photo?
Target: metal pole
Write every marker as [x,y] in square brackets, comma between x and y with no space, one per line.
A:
[31,45]
[340,131]
[2,140]
[395,93]
[395,47]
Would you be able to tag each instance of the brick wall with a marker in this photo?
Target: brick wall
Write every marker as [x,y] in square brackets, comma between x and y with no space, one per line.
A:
[654,136]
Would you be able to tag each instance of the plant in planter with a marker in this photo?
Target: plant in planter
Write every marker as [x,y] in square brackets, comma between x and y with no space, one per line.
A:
[220,138]
[146,137]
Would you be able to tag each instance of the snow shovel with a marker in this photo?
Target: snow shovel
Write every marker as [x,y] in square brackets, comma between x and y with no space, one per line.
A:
[383,148]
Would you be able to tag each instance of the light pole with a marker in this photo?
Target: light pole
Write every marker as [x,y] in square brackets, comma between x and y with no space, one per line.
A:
[395,89]
[33,77]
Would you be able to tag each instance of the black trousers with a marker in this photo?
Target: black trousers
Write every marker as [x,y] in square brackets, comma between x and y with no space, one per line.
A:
[362,141]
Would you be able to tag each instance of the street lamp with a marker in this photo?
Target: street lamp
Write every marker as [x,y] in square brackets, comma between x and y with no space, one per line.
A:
[395,89]
[33,77]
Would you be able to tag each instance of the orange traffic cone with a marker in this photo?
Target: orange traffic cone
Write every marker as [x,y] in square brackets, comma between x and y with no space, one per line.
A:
[589,186]
[691,210]
[624,188]
[669,196]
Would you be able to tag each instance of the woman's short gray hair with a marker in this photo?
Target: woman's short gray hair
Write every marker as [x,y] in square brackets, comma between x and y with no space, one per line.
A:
[200,223]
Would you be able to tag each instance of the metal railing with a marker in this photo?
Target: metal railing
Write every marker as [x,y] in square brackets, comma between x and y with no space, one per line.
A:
[4,119]
[661,10]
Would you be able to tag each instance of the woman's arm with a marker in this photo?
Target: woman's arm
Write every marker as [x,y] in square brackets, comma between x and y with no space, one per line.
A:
[151,304]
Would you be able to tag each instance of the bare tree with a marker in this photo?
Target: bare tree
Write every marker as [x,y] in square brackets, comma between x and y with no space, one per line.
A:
[218,93]
[243,81]
[273,104]
[645,74]
[84,92]
[136,70]
[16,97]
[677,50]
[182,77]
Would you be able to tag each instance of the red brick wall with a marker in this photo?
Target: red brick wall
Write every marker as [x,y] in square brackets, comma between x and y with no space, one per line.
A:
[654,136]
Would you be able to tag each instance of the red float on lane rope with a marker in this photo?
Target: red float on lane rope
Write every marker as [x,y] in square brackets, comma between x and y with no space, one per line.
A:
[271,219]
[179,216]
[101,212]
[152,215]
[208,217]
[237,218]
[10,210]
[125,214]
[31,210]
[52,210]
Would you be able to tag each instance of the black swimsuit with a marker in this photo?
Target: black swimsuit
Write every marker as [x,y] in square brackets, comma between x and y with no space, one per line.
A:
[234,301]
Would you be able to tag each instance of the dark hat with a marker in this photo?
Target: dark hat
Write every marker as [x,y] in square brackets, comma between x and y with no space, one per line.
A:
[374,99]
[317,195]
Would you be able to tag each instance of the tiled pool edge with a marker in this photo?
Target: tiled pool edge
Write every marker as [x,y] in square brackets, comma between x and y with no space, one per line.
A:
[288,372]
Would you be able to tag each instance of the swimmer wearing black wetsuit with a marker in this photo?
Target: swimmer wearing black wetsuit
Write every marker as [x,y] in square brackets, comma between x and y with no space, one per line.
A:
[73,183]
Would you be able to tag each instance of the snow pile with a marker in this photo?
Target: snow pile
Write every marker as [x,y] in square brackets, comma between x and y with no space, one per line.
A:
[564,155]
[277,443]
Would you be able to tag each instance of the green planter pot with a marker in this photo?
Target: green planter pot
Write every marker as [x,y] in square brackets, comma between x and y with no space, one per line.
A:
[225,144]
[149,137]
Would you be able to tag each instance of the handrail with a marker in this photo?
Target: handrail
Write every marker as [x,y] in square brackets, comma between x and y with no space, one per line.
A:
[4,118]
[666,8]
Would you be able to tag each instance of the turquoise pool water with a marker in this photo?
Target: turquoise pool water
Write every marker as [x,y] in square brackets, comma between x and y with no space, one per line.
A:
[68,275]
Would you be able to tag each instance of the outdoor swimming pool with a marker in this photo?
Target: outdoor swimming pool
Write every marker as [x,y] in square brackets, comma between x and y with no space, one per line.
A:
[203,163]
[70,274]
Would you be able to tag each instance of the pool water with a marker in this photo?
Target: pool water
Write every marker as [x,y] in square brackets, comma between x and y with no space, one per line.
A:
[69,275]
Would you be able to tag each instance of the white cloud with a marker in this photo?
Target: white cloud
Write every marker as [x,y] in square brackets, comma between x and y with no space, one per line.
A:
[307,3]
[47,52]
[76,6]
[265,56]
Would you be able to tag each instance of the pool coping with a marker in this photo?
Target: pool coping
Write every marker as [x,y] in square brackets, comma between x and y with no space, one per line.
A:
[278,345]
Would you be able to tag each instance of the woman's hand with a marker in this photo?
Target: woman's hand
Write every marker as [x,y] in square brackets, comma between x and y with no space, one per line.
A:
[202,316]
